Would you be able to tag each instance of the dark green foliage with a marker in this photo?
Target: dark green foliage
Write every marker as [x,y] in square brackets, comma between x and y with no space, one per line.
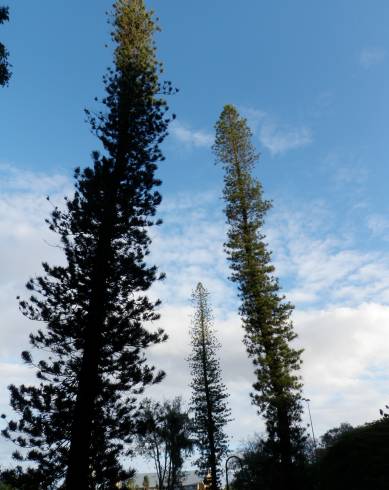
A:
[333,435]
[164,436]
[259,470]
[357,458]
[78,421]
[265,313]
[209,394]
[3,484]
[5,72]
[19,479]
[256,468]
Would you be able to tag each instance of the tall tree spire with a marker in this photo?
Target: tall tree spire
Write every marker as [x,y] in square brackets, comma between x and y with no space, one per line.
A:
[98,319]
[209,394]
[265,313]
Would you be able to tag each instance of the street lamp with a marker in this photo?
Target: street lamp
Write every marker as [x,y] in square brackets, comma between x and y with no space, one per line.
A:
[307,400]
[227,460]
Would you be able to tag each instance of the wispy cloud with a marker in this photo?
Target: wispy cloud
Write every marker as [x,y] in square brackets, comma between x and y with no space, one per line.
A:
[371,56]
[197,138]
[325,268]
[279,139]
[254,117]
[14,179]
[340,318]
[378,225]
[345,168]
[341,292]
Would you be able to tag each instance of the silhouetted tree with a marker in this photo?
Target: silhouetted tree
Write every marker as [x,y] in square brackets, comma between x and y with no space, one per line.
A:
[5,72]
[209,394]
[3,485]
[331,436]
[79,420]
[21,479]
[265,313]
[164,436]
[356,458]
[258,469]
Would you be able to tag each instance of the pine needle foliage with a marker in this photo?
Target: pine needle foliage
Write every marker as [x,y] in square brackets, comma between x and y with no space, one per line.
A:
[265,314]
[209,394]
[77,423]
[5,73]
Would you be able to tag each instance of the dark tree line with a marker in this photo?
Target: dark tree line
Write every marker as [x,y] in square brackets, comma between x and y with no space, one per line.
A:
[347,457]
[78,421]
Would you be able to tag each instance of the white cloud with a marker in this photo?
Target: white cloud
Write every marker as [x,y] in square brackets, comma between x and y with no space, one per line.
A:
[24,239]
[279,139]
[371,56]
[275,136]
[346,362]
[323,268]
[34,183]
[196,138]
[340,292]
[341,317]
[378,225]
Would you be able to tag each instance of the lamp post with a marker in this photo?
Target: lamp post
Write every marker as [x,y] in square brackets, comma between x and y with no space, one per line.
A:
[307,400]
[227,460]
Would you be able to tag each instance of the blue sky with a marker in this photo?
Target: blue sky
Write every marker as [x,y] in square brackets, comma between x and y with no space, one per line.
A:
[311,77]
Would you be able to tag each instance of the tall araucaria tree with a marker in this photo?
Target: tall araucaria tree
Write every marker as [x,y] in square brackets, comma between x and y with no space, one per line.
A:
[78,422]
[209,394]
[5,72]
[265,314]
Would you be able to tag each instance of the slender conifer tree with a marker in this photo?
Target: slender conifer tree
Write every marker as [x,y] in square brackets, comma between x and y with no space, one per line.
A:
[78,422]
[5,72]
[209,394]
[265,313]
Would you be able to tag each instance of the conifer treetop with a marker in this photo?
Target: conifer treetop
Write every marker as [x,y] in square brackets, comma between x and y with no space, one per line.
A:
[134,29]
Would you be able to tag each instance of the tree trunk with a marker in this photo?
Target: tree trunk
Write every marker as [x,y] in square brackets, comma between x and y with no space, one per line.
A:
[78,476]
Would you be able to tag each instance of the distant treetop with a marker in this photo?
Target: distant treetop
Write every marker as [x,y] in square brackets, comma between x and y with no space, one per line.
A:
[5,73]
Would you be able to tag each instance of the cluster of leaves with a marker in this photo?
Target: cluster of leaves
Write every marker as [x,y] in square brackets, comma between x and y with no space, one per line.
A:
[165,437]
